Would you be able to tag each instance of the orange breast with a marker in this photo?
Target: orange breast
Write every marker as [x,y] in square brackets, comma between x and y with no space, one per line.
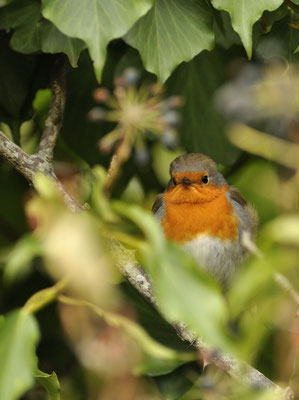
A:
[184,221]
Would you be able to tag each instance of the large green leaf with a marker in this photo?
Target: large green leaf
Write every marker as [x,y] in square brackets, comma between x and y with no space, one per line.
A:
[244,14]
[96,22]
[33,33]
[18,337]
[53,41]
[202,128]
[172,32]
[23,16]
[19,13]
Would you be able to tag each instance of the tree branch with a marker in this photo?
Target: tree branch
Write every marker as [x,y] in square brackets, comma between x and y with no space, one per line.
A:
[42,161]
[18,158]
[240,370]
[55,113]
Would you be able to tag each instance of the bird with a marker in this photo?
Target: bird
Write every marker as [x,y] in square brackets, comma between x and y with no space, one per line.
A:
[209,218]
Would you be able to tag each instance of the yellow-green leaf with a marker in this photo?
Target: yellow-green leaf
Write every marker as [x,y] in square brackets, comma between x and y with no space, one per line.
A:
[96,22]
[244,14]
[18,337]
[172,32]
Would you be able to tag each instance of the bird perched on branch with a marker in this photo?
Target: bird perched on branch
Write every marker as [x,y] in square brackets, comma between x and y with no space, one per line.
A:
[199,210]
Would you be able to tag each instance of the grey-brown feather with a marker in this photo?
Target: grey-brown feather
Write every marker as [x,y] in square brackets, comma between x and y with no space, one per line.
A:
[158,203]
[197,162]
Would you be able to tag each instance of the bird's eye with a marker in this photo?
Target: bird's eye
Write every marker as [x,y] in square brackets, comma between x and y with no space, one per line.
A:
[173,181]
[205,179]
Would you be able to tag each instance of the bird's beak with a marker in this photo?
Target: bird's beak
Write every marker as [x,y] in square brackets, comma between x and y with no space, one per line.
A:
[186,182]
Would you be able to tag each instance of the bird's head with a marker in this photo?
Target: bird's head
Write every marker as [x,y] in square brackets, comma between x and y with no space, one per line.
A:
[194,179]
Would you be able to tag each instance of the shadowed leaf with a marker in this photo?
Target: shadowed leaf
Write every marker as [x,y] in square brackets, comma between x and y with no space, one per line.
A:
[97,22]
[172,32]
[244,14]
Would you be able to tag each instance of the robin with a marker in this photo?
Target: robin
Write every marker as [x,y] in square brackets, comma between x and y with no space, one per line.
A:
[199,210]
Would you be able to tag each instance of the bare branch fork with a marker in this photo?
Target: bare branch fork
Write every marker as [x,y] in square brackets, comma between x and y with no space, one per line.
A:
[42,162]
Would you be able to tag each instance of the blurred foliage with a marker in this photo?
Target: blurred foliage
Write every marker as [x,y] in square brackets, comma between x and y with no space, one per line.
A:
[64,305]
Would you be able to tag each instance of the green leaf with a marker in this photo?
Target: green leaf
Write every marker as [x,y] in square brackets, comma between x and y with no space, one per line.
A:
[172,32]
[23,16]
[97,22]
[152,321]
[53,41]
[33,33]
[281,42]
[244,14]
[18,338]
[202,307]
[50,382]
[225,36]
[284,229]
[43,297]
[202,127]
[22,12]
[258,182]
[20,258]
[157,359]
[4,3]
[174,385]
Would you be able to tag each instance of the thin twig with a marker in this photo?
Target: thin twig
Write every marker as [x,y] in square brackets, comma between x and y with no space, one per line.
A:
[292,5]
[55,113]
[286,285]
[19,159]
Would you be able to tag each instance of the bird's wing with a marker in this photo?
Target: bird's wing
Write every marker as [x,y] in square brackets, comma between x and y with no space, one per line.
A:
[246,213]
[236,195]
[159,206]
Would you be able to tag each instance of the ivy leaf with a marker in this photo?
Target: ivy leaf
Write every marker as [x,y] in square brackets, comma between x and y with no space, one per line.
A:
[172,32]
[244,14]
[19,13]
[53,41]
[202,127]
[33,33]
[18,338]
[97,22]
[23,16]
[50,382]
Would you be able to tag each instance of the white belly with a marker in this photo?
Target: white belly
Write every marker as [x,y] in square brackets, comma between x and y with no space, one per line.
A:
[220,258]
